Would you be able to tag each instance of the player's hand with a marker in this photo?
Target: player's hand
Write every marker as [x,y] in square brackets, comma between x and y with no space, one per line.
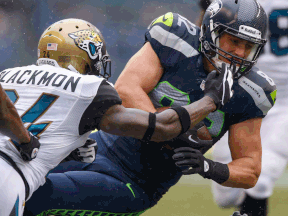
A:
[28,151]
[219,86]
[191,139]
[192,159]
[237,213]
[85,153]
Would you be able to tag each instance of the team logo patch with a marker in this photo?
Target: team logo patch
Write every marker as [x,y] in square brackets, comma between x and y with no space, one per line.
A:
[89,41]
[52,46]
[215,7]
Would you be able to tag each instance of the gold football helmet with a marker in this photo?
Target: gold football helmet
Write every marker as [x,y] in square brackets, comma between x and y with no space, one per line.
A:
[76,45]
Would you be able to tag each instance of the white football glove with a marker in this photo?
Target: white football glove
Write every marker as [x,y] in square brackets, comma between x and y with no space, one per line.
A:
[85,153]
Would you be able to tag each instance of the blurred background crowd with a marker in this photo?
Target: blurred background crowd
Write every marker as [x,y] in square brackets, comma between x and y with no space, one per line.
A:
[122,23]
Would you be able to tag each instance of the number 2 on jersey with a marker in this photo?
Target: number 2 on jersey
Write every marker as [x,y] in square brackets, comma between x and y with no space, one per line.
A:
[42,104]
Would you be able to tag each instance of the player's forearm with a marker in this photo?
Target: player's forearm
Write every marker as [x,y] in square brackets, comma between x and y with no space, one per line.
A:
[244,173]
[10,122]
[134,122]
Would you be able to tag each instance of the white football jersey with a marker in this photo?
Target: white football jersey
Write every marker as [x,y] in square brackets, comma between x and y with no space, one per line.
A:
[274,60]
[58,106]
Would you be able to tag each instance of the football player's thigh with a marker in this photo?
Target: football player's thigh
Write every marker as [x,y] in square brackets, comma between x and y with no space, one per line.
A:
[69,166]
[86,190]
[273,166]
[12,191]
[274,129]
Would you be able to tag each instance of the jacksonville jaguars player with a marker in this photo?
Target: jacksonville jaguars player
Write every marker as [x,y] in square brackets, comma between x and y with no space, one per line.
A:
[61,101]
[274,61]
[168,71]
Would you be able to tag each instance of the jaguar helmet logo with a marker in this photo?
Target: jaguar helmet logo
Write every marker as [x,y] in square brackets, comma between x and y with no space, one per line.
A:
[215,7]
[89,41]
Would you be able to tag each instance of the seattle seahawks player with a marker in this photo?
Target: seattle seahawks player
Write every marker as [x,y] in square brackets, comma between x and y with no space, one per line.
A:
[61,101]
[177,56]
[169,71]
[274,61]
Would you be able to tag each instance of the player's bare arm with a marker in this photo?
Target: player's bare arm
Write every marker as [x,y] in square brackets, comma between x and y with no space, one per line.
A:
[141,74]
[133,122]
[246,151]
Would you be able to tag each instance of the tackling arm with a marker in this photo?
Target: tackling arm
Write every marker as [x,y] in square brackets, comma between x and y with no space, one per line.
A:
[133,122]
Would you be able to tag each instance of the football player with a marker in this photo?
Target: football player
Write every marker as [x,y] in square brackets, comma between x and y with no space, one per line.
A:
[168,71]
[274,60]
[62,99]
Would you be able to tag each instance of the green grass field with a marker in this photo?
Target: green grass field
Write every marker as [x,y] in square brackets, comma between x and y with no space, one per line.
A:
[192,196]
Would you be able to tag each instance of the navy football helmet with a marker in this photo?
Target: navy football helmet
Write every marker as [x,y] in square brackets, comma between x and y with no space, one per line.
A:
[244,19]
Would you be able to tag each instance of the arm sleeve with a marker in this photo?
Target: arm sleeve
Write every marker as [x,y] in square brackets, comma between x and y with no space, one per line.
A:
[106,97]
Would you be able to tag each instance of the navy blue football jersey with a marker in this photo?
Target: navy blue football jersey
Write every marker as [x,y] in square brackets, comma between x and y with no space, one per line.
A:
[176,41]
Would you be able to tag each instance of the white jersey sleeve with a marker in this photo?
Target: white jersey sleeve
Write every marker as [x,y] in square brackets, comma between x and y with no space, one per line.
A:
[55,104]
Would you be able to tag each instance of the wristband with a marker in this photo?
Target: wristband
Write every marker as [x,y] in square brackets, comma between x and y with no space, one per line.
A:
[151,127]
[218,172]
[184,118]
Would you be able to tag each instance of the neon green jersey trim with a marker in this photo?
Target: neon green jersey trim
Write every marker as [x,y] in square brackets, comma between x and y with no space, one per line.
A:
[273,95]
[71,212]
[166,19]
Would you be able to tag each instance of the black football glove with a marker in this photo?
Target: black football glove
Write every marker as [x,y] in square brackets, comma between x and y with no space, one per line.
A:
[197,163]
[86,153]
[219,87]
[28,151]
[190,139]
[237,213]
[192,158]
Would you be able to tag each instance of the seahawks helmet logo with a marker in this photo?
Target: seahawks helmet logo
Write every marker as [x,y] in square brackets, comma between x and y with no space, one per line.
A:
[89,41]
[215,7]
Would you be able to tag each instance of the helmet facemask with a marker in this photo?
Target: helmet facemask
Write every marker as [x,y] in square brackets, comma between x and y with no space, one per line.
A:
[244,20]
[212,50]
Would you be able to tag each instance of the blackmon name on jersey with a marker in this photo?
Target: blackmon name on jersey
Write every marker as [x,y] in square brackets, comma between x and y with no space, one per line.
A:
[43,78]
[60,107]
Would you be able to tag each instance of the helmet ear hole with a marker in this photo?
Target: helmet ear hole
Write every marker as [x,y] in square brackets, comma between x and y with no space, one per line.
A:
[60,29]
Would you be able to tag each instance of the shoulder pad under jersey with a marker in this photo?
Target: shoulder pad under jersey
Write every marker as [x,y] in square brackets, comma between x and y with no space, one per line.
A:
[173,38]
[261,88]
